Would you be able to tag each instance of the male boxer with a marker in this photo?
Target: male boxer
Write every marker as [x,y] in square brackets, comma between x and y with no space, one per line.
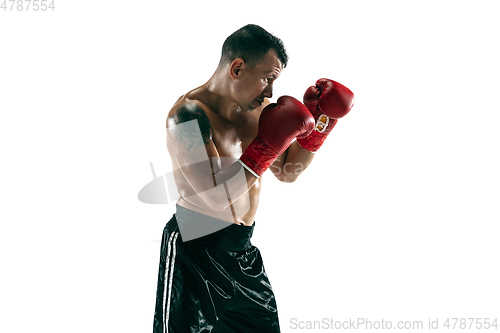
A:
[222,136]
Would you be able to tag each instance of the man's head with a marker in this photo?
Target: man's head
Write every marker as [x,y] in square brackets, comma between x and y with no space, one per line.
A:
[253,59]
[252,43]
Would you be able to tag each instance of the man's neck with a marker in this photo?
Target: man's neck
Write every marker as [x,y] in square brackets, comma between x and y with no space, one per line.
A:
[217,92]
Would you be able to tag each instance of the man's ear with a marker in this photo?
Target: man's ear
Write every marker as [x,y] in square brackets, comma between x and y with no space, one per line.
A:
[235,68]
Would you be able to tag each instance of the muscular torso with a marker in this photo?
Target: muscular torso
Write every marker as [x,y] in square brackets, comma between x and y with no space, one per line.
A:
[231,138]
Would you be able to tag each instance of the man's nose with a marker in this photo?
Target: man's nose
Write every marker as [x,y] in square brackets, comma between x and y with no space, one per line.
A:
[268,92]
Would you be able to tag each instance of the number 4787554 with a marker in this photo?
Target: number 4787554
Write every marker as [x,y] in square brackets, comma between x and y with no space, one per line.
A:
[27,5]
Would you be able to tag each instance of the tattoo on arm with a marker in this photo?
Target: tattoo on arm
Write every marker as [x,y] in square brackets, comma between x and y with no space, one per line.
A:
[188,136]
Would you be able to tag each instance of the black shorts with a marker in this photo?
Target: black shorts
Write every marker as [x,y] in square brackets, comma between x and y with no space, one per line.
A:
[215,283]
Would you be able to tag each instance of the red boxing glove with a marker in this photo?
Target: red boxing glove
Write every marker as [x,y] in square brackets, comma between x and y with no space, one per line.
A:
[327,101]
[279,124]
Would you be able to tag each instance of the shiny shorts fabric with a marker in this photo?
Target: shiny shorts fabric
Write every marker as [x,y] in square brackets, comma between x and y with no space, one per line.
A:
[215,283]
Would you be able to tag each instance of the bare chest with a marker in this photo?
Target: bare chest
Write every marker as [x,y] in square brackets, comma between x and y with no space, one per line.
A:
[231,140]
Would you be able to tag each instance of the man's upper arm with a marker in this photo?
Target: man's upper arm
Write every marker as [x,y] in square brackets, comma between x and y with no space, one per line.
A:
[186,113]
[190,136]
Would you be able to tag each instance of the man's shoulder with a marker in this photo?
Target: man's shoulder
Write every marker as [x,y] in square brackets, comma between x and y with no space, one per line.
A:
[185,110]
[188,104]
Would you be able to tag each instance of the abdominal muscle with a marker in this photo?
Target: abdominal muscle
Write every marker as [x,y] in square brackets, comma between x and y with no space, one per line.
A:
[242,211]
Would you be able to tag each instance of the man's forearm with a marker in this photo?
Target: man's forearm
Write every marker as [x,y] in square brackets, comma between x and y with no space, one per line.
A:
[289,165]
[238,181]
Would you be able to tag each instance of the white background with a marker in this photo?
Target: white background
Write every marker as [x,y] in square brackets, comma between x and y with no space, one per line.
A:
[396,219]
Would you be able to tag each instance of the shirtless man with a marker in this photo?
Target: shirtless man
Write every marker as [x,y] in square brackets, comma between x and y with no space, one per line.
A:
[222,136]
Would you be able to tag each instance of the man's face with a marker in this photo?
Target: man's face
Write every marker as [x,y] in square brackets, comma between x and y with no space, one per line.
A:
[255,83]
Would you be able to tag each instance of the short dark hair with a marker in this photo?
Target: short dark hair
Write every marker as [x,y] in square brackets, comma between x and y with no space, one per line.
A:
[252,43]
